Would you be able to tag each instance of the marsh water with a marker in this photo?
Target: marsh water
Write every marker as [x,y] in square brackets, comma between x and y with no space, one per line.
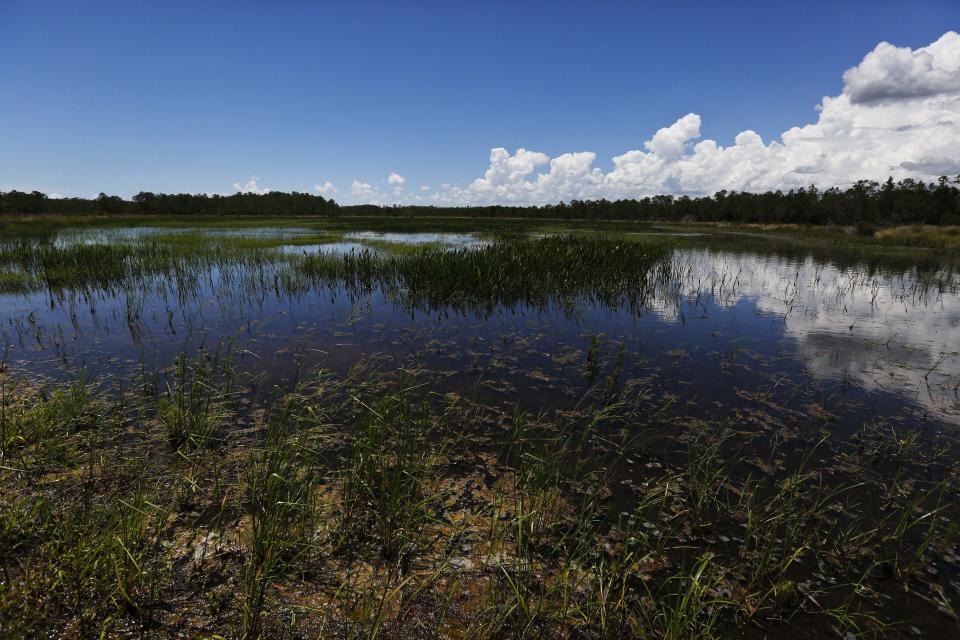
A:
[786,413]
[771,341]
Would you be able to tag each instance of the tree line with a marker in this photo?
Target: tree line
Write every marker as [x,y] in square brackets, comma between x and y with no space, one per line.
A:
[273,203]
[865,203]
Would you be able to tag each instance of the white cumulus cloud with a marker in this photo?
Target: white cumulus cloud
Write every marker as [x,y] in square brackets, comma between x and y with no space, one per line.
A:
[362,189]
[251,186]
[898,115]
[396,178]
[326,187]
[894,73]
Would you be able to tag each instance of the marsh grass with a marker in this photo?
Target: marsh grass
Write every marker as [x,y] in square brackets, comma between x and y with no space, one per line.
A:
[533,272]
[506,272]
[390,474]
[197,403]
[943,237]
[279,502]
[349,473]
[203,241]
[509,271]
[370,505]
[400,248]
[79,561]
[46,426]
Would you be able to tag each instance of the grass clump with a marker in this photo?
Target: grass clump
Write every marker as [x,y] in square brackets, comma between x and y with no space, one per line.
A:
[388,481]
[195,407]
[278,497]
[78,560]
[941,237]
[514,272]
[48,426]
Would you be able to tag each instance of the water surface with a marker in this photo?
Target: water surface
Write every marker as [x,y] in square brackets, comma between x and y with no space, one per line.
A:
[766,338]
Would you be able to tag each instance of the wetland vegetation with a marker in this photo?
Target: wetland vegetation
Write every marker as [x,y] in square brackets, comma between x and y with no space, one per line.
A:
[363,428]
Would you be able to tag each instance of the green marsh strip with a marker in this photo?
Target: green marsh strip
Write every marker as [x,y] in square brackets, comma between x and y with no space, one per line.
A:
[507,272]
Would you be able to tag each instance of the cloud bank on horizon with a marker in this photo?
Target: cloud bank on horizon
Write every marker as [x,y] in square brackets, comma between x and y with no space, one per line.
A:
[898,115]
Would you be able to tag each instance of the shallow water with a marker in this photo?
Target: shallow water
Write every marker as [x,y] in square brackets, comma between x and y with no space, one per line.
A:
[107,235]
[331,247]
[457,240]
[772,341]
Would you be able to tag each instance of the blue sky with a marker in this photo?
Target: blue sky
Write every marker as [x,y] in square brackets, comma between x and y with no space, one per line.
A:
[167,96]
